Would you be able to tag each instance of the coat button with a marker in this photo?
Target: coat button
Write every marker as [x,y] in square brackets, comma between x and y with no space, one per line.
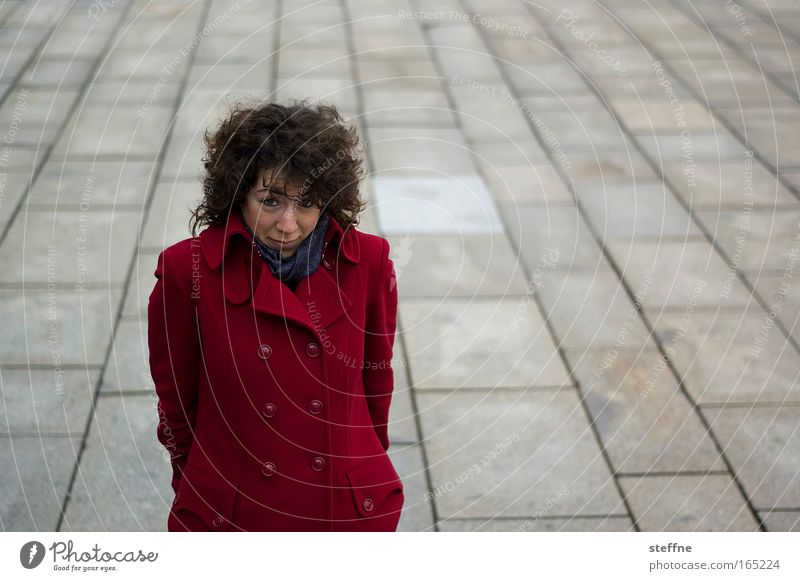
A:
[328,263]
[268,469]
[315,406]
[268,410]
[368,504]
[312,349]
[264,351]
[218,521]
[318,463]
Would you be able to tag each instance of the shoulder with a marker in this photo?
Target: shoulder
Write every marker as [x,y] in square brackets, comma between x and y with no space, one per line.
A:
[178,259]
[376,259]
[373,249]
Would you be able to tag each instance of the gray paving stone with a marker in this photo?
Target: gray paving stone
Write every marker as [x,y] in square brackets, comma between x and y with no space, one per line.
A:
[634,211]
[528,184]
[235,48]
[20,37]
[69,247]
[170,212]
[131,92]
[371,68]
[184,157]
[779,144]
[453,204]
[47,402]
[762,444]
[589,308]
[44,15]
[583,130]
[436,152]
[793,177]
[556,234]
[662,117]
[695,147]
[780,294]
[761,240]
[64,326]
[760,121]
[512,454]
[619,61]
[202,108]
[308,35]
[123,482]
[477,67]
[407,109]
[17,62]
[561,102]
[19,159]
[339,91]
[446,266]
[677,274]
[417,513]
[402,418]
[507,152]
[480,343]
[128,366]
[68,42]
[223,78]
[544,78]
[608,167]
[34,484]
[122,133]
[736,183]
[12,189]
[322,62]
[731,356]
[105,184]
[141,284]
[36,105]
[494,120]
[62,73]
[688,503]
[782,521]
[645,422]
[539,525]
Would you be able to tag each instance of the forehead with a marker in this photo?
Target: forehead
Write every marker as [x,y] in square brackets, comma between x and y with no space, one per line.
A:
[278,180]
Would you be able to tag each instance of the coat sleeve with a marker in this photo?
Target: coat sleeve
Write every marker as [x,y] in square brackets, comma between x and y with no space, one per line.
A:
[380,328]
[174,344]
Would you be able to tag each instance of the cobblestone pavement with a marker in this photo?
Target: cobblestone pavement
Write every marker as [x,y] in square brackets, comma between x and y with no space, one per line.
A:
[594,219]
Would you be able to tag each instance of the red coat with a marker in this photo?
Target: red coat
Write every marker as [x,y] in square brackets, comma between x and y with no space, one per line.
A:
[273,404]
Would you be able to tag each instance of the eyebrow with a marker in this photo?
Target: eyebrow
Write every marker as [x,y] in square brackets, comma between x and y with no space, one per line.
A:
[268,187]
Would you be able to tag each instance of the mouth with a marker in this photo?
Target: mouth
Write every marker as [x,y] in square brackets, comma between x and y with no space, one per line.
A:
[285,243]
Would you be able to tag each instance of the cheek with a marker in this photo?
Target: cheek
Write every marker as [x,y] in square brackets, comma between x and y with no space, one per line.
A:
[266,220]
[309,222]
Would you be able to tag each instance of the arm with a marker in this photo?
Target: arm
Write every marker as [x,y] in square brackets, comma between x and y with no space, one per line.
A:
[173,340]
[380,328]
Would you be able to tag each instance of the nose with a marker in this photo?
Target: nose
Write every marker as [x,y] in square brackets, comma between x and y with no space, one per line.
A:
[287,223]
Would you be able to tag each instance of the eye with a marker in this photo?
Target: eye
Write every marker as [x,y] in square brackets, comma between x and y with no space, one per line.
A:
[269,202]
[305,203]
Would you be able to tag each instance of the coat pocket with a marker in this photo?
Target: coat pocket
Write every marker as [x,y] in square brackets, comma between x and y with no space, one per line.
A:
[377,489]
[204,501]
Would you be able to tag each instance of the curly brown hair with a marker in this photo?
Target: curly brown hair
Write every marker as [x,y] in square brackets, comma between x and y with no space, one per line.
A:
[310,145]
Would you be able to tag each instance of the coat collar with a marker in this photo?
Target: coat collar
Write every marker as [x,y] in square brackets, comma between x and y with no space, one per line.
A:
[216,240]
[318,301]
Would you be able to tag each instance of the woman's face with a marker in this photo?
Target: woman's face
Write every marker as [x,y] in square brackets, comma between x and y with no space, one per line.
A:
[281,219]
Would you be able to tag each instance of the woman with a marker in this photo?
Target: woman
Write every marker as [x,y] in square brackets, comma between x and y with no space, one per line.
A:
[271,336]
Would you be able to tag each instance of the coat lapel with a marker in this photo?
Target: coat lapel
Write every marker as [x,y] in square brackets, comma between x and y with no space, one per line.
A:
[318,302]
